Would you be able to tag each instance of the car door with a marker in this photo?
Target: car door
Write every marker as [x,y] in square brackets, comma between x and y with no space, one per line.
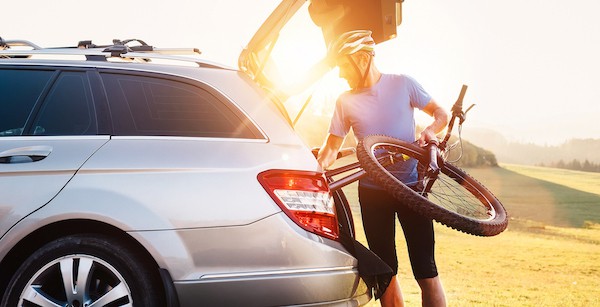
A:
[321,22]
[48,129]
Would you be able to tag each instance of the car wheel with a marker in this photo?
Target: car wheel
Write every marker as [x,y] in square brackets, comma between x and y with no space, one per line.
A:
[84,270]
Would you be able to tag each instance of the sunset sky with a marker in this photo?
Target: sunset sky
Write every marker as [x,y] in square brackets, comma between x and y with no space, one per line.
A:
[532,66]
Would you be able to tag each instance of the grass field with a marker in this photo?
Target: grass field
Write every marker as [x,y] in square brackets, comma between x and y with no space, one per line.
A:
[551,196]
[548,256]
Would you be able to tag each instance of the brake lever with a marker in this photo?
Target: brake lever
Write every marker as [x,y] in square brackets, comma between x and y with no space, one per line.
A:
[463,115]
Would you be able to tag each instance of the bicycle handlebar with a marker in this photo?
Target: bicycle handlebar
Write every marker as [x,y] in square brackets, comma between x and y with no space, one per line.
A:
[457,112]
[457,108]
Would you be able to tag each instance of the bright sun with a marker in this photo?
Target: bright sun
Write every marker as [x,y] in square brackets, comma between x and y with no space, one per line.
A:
[298,49]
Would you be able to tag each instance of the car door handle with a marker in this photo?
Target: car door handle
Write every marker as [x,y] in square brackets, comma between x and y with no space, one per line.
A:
[25,154]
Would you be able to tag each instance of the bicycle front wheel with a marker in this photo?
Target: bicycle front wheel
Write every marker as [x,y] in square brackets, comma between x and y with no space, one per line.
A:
[456,199]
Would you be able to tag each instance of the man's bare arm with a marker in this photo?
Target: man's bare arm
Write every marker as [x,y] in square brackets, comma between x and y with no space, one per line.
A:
[328,152]
[440,121]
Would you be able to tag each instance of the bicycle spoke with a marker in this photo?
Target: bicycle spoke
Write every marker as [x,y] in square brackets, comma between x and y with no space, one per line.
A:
[449,196]
[449,193]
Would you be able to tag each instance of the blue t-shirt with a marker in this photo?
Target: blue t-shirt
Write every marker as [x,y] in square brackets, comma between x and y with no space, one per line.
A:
[386,108]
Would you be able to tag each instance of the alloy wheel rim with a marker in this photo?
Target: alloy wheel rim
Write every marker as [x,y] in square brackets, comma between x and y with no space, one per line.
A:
[76,281]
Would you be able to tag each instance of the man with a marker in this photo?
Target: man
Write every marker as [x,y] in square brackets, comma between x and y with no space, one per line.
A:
[384,104]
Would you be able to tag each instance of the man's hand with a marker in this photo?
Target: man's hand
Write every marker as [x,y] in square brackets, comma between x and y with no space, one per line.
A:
[328,152]
[427,135]
[326,158]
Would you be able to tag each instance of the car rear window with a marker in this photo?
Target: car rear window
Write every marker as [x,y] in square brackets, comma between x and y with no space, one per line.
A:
[153,106]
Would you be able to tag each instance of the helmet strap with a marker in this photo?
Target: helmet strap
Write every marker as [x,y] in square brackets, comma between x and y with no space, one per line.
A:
[363,80]
[366,74]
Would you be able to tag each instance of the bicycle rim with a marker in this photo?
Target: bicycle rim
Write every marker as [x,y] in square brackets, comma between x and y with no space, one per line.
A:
[456,199]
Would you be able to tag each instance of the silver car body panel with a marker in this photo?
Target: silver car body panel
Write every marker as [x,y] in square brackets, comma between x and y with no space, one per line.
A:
[28,185]
[283,270]
[187,179]
[221,252]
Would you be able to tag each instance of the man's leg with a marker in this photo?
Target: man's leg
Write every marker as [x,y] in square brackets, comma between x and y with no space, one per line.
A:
[420,240]
[379,221]
[392,297]
[432,292]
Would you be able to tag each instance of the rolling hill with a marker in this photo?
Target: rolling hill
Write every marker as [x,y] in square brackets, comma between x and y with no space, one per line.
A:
[533,154]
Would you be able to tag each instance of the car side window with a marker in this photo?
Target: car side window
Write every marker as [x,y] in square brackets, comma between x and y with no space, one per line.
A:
[68,109]
[143,105]
[19,91]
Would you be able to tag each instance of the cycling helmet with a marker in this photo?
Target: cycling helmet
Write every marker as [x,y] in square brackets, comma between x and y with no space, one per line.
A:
[351,42]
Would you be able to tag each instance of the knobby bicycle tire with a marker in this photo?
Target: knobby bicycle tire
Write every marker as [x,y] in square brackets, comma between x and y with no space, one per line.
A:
[456,199]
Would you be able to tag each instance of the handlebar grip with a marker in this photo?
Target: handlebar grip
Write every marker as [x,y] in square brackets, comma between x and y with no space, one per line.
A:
[463,90]
[457,108]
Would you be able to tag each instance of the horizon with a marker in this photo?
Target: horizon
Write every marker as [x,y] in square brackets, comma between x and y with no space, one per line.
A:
[530,66]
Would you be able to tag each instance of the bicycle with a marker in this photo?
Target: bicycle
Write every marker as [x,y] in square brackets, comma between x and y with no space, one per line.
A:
[442,191]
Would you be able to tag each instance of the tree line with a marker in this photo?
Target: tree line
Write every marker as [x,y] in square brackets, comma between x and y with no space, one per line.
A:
[469,155]
[576,165]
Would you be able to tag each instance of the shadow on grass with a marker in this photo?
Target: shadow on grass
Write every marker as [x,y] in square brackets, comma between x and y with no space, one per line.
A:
[538,200]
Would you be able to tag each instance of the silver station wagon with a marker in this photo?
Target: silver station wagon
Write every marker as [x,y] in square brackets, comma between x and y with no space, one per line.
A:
[130,176]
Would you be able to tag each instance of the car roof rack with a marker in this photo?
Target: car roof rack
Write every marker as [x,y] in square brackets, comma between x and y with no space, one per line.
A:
[119,49]
[17,43]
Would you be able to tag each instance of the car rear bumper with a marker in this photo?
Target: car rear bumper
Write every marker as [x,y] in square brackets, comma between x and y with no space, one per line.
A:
[271,262]
[339,286]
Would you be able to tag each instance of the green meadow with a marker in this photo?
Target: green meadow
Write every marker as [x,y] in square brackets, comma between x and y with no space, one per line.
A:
[548,256]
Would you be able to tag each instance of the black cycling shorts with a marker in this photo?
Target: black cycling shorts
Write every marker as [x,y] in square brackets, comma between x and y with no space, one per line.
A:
[379,210]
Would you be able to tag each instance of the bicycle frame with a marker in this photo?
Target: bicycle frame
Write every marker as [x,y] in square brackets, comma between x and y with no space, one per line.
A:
[436,150]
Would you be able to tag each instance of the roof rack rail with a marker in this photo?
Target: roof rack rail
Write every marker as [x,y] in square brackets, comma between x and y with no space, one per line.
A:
[7,44]
[122,47]
[92,52]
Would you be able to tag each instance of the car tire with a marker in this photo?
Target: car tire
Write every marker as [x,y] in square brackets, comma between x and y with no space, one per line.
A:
[111,273]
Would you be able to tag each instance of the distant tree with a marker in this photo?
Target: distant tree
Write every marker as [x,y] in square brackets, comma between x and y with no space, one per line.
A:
[591,167]
[469,155]
[576,165]
[587,166]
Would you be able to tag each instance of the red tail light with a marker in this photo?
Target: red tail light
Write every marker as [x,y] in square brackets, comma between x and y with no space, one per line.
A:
[304,196]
